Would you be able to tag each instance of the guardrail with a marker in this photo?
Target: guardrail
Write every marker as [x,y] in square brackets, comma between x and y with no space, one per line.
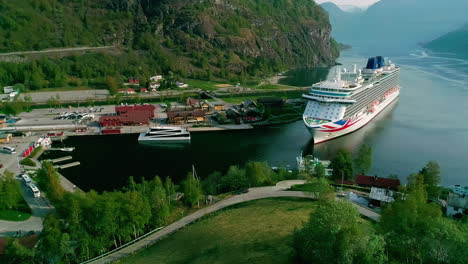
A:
[123,246]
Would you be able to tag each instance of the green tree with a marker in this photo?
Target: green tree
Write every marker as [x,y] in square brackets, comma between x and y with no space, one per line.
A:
[193,192]
[111,85]
[319,170]
[342,165]
[234,179]
[258,173]
[10,191]
[431,175]
[14,252]
[416,231]
[170,189]
[363,161]
[320,189]
[49,181]
[335,234]
[159,202]
[211,183]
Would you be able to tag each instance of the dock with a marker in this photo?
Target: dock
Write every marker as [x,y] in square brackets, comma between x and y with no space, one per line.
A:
[220,128]
[69,165]
[68,185]
[62,159]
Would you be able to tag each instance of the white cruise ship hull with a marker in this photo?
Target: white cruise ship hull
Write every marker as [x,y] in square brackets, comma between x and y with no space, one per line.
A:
[332,130]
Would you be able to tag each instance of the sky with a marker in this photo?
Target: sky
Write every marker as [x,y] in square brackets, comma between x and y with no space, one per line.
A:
[360,3]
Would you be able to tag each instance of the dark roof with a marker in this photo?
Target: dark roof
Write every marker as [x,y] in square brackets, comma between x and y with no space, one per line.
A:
[248,103]
[270,100]
[174,114]
[377,182]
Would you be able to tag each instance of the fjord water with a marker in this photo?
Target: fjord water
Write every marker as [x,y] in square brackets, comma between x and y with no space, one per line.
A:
[426,123]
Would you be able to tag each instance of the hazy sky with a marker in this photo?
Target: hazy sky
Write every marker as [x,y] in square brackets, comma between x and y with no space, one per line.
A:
[361,3]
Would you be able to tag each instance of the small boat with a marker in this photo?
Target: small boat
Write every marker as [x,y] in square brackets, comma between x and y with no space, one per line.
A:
[165,134]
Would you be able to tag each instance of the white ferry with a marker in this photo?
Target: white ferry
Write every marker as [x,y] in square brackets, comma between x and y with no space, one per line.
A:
[166,134]
[351,100]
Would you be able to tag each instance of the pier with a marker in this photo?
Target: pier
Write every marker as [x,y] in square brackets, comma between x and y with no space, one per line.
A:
[69,165]
[62,159]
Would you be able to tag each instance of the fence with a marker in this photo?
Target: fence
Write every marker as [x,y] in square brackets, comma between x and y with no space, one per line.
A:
[123,246]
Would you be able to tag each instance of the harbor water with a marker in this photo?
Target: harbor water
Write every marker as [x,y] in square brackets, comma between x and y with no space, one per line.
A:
[426,123]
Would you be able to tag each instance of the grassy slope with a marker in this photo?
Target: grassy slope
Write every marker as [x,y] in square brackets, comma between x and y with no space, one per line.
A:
[254,232]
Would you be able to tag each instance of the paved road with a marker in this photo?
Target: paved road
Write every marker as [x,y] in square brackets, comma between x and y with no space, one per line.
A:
[280,190]
[39,206]
[54,50]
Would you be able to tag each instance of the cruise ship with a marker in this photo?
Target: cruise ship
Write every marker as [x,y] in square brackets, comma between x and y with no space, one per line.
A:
[351,100]
[165,134]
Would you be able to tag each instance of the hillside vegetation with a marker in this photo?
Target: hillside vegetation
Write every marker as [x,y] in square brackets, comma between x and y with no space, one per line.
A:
[455,42]
[223,39]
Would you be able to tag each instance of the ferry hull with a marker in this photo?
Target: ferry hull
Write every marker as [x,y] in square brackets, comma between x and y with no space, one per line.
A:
[322,134]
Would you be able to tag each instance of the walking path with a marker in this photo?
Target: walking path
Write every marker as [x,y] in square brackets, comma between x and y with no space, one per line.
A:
[280,190]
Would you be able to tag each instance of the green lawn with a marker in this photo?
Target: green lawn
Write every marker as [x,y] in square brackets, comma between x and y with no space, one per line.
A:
[253,232]
[205,85]
[13,215]
[21,213]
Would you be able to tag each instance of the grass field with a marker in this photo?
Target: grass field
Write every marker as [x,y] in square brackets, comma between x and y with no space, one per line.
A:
[13,215]
[21,213]
[205,85]
[253,232]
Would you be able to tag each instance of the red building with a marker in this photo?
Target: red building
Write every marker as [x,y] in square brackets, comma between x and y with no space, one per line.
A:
[374,181]
[129,116]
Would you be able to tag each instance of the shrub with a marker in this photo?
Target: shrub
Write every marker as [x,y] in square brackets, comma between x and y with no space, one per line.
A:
[28,162]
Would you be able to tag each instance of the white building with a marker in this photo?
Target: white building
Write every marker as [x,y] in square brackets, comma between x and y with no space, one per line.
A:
[8,89]
[382,195]
[156,78]
[457,204]
[181,85]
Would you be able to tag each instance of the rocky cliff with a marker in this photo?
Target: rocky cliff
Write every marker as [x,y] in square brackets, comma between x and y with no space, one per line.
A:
[243,36]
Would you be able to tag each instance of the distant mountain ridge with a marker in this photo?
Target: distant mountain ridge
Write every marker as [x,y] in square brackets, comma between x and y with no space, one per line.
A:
[398,22]
[455,42]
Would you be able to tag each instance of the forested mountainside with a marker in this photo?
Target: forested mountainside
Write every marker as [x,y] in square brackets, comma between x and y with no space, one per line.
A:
[455,42]
[226,38]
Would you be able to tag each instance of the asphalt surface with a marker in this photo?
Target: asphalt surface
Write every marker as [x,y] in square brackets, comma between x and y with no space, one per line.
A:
[39,206]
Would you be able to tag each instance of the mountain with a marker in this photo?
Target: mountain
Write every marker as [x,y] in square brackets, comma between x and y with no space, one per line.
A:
[351,8]
[240,36]
[396,23]
[455,42]
[343,22]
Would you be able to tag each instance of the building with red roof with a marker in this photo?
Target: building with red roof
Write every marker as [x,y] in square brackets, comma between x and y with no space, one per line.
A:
[374,181]
[128,116]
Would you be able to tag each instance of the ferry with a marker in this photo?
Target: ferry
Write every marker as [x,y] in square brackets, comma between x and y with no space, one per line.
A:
[351,100]
[165,134]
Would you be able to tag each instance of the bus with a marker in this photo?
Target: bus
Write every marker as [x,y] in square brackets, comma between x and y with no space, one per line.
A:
[26,179]
[9,149]
[35,191]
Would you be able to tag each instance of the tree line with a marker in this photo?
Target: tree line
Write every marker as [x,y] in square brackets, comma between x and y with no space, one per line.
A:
[411,230]
[89,224]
